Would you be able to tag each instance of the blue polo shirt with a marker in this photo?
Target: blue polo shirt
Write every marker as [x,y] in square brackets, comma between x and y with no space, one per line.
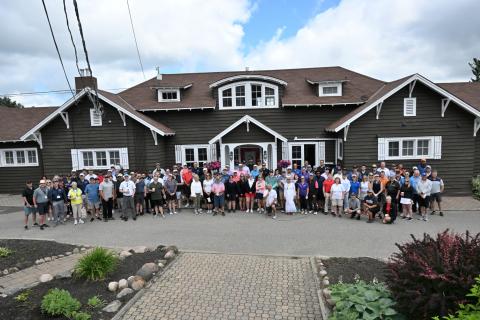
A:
[92,192]
[354,187]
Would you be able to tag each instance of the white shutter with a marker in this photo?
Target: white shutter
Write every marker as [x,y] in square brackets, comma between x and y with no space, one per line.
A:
[213,152]
[95,118]
[74,153]
[284,151]
[178,154]
[381,148]
[410,107]
[437,151]
[339,149]
[321,151]
[124,158]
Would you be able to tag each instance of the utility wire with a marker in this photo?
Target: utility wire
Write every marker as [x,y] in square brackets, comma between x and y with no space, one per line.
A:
[135,38]
[71,36]
[56,47]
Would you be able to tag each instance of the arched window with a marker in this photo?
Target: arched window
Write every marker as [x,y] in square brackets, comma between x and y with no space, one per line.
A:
[250,94]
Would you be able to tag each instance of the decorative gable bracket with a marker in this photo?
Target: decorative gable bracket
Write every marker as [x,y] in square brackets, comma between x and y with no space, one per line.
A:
[65,118]
[410,88]
[37,136]
[122,115]
[345,132]
[476,126]
[445,103]
[155,137]
[379,108]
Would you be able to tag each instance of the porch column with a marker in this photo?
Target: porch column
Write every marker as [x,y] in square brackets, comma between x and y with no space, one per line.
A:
[273,156]
[222,153]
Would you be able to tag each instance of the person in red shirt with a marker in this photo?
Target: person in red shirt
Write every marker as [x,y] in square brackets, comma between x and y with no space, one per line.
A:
[187,178]
[327,186]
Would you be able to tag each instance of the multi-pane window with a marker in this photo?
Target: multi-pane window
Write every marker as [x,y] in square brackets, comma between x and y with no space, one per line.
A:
[297,155]
[330,90]
[87,158]
[167,95]
[202,156]
[240,96]
[189,154]
[227,97]
[101,158]
[407,148]
[256,95]
[393,149]
[248,95]
[423,147]
[18,157]
[114,158]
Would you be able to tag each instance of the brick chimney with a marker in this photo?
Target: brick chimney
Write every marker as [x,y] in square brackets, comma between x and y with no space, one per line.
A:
[85,80]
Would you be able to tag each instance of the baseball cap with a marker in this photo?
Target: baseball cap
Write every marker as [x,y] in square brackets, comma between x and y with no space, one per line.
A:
[42,181]
[119,175]
[424,174]
[82,175]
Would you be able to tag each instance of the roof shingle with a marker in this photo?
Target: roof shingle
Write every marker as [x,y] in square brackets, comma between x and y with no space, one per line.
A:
[18,121]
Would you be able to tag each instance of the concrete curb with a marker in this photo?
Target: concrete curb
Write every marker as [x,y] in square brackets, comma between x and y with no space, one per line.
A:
[119,315]
[323,308]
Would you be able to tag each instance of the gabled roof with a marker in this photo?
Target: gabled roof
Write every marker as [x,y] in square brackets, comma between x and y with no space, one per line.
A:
[17,121]
[113,100]
[247,119]
[357,88]
[392,87]
[467,91]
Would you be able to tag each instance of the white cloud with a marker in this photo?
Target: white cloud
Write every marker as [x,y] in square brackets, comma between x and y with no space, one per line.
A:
[384,39]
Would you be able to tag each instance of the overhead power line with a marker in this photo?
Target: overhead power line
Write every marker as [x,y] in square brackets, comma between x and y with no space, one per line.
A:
[71,36]
[56,47]
[135,38]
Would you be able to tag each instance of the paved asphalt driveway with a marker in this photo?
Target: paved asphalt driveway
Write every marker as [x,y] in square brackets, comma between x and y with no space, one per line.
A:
[248,233]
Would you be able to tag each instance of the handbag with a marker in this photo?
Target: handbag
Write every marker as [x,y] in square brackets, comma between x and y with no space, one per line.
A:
[83,213]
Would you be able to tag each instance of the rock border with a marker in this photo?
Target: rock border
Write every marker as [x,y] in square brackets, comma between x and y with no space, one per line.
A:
[119,315]
[318,283]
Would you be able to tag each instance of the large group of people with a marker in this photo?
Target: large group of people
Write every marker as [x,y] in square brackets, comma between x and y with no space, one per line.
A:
[375,192]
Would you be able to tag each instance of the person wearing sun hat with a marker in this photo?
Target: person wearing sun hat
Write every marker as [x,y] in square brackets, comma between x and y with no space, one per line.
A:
[40,200]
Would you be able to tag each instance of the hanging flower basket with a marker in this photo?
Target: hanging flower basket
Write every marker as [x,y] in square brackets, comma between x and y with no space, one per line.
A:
[284,164]
[213,166]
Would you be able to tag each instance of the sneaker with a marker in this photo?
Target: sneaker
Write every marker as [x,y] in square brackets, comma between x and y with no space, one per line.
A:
[441,213]
[81,221]
[105,220]
[403,217]
[92,219]
[432,213]
[75,222]
[170,212]
[352,217]
[196,211]
[41,227]
[36,224]
[358,217]
[315,212]
[45,225]
[223,214]
[370,221]
[274,217]
[214,213]
[174,212]
[305,212]
[98,218]
[425,219]
[409,219]
[25,227]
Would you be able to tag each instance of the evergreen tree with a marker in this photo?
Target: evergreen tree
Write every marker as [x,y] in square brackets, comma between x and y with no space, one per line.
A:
[475,65]
[9,103]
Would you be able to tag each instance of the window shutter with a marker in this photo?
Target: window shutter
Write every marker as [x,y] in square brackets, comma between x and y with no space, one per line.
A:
[74,153]
[321,151]
[381,148]
[213,152]
[284,151]
[95,118]
[124,158]
[437,151]
[410,107]
[178,154]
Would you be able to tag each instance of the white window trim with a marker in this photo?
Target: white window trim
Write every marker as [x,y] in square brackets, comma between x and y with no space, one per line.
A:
[3,162]
[160,96]
[339,90]
[319,151]
[435,142]
[248,95]
[92,114]
[414,107]
[339,150]
[181,156]
[77,158]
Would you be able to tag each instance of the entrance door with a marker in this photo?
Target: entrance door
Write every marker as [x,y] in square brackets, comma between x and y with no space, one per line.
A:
[312,152]
[249,155]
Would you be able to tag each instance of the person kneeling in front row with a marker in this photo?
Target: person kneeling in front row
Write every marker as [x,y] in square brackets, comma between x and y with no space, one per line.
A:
[371,207]
[271,202]
[354,209]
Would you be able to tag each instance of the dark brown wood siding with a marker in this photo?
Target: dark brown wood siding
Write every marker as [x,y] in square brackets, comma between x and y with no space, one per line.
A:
[476,166]
[198,127]
[14,178]
[241,135]
[456,129]
[58,140]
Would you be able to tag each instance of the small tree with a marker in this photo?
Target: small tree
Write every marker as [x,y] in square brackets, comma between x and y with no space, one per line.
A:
[475,65]
[7,102]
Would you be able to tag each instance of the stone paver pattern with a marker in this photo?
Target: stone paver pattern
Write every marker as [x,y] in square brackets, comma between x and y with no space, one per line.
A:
[222,286]
[29,277]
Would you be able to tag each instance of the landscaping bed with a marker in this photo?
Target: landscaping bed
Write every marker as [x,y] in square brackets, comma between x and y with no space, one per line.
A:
[24,253]
[347,268]
[80,289]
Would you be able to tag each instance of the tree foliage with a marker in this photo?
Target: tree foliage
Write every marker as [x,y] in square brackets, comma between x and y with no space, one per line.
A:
[475,65]
[7,102]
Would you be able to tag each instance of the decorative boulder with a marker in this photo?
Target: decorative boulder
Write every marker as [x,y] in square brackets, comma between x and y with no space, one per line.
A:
[39,261]
[113,286]
[331,302]
[122,284]
[147,271]
[138,283]
[124,292]
[170,255]
[125,254]
[5,272]
[326,283]
[68,253]
[113,306]
[130,280]
[139,249]
[46,277]
[161,265]
[76,250]
[64,275]
[170,248]
[322,273]
[327,293]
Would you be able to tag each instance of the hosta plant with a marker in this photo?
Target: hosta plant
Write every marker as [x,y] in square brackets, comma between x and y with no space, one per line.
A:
[431,276]
[59,302]
[361,300]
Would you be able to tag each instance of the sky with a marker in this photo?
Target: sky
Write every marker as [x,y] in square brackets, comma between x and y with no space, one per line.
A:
[384,39]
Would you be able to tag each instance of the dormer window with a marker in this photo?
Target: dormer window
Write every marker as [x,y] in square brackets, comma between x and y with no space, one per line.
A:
[168,95]
[248,95]
[330,89]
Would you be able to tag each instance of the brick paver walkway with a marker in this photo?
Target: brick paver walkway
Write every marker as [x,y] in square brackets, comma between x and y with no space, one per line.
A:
[219,286]
[29,277]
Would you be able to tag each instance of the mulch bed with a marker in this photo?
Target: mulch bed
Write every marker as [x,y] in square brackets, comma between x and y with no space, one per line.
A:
[26,252]
[346,268]
[79,289]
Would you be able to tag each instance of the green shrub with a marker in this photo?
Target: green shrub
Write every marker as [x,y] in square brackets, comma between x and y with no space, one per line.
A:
[476,187]
[96,265]
[22,297]
[95,302]
[468,311]
[5,252]
[80,316]
[361,300]
[59,303]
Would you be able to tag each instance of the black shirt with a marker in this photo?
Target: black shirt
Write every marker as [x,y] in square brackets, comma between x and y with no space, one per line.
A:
[28,194]
[392,188]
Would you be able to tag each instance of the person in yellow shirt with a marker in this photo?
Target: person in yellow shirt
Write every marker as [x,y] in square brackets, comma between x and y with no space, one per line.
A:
[75,196]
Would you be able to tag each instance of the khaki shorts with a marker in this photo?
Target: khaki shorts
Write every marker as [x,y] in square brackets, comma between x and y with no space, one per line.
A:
[337,202]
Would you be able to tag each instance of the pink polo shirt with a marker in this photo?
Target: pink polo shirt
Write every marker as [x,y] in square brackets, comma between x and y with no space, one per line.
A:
[218,188]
